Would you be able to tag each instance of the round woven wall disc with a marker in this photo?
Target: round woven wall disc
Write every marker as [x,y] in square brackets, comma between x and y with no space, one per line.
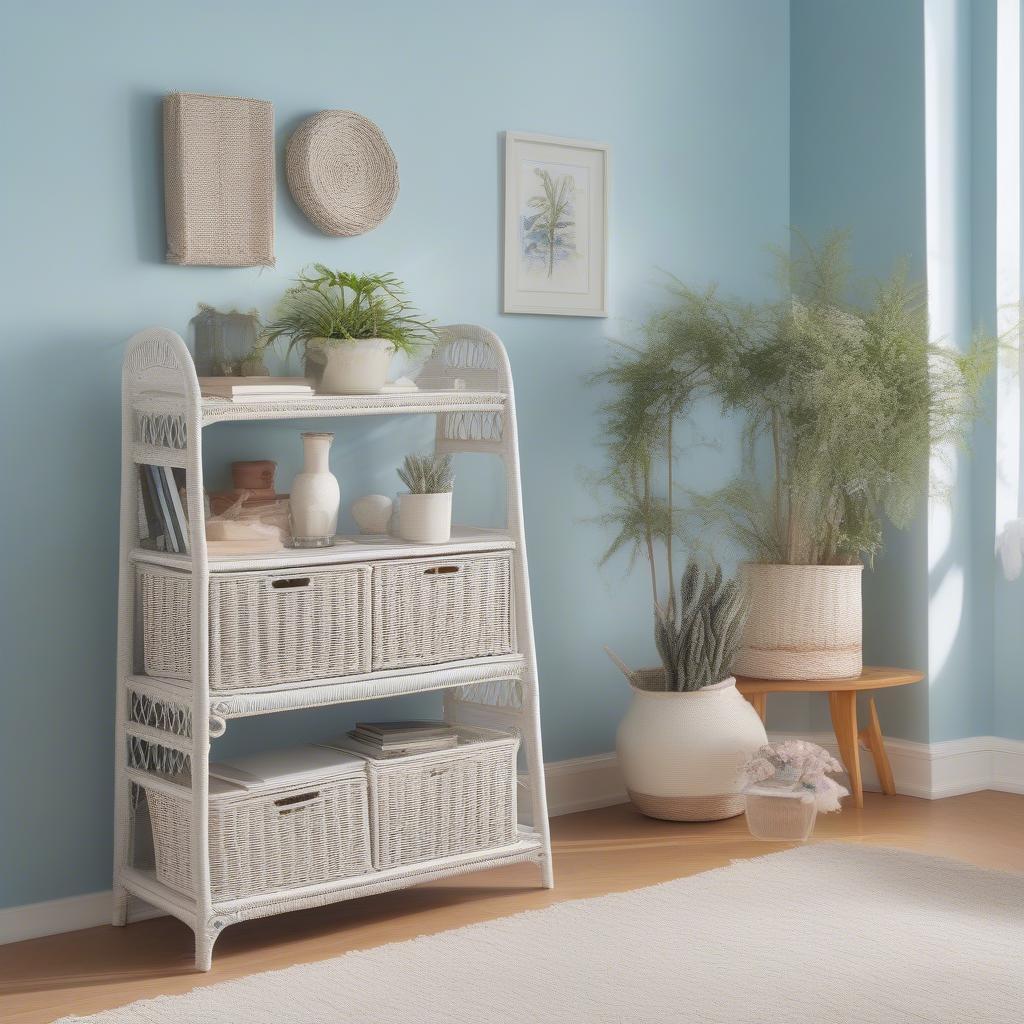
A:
[341,172]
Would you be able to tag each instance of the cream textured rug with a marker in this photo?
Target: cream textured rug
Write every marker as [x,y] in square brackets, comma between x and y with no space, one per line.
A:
[823,934]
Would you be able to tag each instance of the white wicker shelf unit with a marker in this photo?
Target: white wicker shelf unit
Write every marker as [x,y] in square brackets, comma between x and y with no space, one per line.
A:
[164,725]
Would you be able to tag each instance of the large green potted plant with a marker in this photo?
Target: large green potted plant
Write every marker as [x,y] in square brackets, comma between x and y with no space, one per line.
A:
[845,401]
[348,326]
[688,730]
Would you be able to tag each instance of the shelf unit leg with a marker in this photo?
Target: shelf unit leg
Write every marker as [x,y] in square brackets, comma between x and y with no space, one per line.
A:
[119,910]
[205,938]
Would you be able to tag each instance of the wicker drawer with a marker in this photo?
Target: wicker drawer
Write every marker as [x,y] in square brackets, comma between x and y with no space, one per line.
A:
[444,803]
[432,610]
[267,627]
[303,834]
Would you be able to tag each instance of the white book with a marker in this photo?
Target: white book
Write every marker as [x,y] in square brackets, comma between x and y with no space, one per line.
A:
[254,387]
[279,768]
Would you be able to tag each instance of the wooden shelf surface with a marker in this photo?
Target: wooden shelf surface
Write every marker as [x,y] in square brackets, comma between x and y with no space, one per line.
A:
[871,678]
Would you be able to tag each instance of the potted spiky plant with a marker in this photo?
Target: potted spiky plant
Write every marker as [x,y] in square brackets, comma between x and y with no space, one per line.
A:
[688,731]
[425,511]
[348,326]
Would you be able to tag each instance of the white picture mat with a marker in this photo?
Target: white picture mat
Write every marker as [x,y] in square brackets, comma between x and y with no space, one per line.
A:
[577,284]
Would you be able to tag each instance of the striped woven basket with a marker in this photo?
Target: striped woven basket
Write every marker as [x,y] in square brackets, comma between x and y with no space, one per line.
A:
[804,622]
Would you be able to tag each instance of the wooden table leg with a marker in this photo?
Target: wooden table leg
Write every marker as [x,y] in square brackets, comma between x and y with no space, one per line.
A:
[843,706]
[759,702]
[871,737]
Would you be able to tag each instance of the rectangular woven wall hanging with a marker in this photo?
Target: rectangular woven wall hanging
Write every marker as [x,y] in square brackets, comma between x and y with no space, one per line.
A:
[219,180]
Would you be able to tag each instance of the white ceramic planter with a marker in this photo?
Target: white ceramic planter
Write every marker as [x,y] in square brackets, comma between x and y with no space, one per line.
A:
[356,367]
[681,753]
[425,518]
[315,494]
[804,622]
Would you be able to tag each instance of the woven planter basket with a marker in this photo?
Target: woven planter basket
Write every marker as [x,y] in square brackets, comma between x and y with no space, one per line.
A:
[804,622]
[219,180]
[341,172]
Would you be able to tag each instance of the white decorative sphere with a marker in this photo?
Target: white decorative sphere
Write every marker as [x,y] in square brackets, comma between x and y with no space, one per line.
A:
[372,513]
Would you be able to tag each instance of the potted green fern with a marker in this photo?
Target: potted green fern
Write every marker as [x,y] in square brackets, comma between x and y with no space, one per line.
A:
[425,510]
[348,326]
[845,402]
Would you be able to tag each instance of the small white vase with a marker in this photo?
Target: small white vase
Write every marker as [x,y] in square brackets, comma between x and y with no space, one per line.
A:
[425,518]
[681,753]
[356,367]
[315,494]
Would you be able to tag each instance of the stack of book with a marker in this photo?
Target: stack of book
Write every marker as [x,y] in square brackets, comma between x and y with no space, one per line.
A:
[255,389]
[398,739]
[164,505]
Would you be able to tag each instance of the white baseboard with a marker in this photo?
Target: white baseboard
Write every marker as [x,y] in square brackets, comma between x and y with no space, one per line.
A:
[70,914]
[947,768]
[928,770]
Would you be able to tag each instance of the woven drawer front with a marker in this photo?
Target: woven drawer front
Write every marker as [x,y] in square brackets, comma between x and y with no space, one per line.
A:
[298,836]
[266,628]
[431,610]
[445,803]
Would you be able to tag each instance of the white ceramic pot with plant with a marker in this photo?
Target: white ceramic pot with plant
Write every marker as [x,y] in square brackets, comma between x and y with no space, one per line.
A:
[425,510]
[688,731]
[348,327]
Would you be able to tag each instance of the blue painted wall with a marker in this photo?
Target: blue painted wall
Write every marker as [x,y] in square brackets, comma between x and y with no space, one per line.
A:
[857,162]
[692,97]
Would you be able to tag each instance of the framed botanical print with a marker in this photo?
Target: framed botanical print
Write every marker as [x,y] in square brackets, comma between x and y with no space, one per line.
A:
[556,230]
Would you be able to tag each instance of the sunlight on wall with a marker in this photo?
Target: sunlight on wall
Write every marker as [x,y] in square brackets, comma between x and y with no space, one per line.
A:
[1008,261]
[948,238]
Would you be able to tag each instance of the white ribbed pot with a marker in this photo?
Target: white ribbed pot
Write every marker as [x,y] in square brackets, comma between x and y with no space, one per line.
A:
[425,518]
[355,367]
[804,622]
[681,753]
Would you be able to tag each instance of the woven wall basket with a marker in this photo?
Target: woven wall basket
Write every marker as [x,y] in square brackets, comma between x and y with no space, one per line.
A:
[804,622]
[342,172]
[219,180]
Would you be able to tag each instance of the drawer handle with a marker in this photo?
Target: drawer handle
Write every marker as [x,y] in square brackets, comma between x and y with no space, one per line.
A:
[440,770]
[287,804]
[292,584]
[440,570]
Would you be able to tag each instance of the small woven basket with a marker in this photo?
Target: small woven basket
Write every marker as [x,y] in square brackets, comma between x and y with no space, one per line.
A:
[294,836]
[432,610]
[804,622]
[443,803]
[266,627]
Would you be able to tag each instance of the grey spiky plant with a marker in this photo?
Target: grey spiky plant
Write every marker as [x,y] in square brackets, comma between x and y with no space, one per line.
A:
[698,637]
[427,474]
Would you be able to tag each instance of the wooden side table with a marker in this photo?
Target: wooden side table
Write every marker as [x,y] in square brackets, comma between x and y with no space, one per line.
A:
[842,703]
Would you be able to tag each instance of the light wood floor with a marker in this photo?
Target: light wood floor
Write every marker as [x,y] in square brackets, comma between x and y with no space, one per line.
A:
[595,852]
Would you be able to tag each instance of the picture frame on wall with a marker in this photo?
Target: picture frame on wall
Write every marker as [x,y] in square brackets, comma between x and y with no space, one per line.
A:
[556,226]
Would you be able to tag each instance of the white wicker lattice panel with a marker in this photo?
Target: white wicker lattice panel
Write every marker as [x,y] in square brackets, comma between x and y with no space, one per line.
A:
[158,714]
[146,756]
[473,426]
[496,693]
[163,430]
